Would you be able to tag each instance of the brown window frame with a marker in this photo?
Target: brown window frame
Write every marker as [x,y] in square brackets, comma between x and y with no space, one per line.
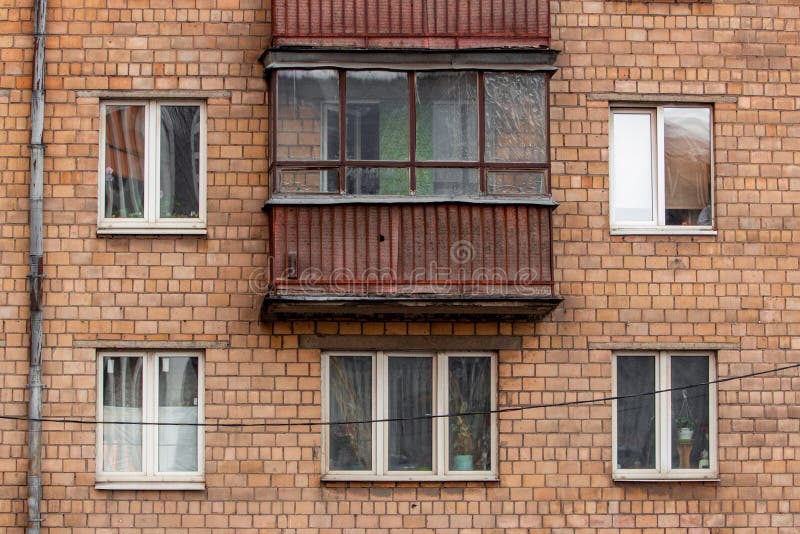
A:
[341,165]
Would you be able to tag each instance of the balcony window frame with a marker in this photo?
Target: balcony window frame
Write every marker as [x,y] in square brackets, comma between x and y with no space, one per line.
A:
[341,164]
[663,471]
[150,477]
[657,225]
[380,429]
[151,221]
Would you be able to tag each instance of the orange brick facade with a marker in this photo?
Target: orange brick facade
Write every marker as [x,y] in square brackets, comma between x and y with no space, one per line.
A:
[739,289]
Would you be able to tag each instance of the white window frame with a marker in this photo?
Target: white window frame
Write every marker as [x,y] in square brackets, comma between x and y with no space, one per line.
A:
[663,418]
[441,445]
[152,222]
[658,224]
[150,477]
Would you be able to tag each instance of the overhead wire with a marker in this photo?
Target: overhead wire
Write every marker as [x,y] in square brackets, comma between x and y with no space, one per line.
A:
[314,422]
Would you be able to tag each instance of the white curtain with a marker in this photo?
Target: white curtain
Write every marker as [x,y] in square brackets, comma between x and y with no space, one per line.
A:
[177,403]
[122,401]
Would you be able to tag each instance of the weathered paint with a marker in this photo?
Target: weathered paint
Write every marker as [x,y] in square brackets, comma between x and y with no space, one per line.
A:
[441,249]
[412,23]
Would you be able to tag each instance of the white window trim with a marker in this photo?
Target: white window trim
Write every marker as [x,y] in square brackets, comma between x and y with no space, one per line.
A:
[151,223]
[380,430]
[657,226]
[149,477]
[664,472]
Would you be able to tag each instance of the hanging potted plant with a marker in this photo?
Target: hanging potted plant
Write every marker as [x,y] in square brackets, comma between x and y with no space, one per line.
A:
[685,426]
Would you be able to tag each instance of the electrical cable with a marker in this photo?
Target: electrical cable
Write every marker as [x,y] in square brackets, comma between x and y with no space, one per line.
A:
[310,423]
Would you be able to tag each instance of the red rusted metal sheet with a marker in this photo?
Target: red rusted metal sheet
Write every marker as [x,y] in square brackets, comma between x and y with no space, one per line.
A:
[412,249]
[411,23]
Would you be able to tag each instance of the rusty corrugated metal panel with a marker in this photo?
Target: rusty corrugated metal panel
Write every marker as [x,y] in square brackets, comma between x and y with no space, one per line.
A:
[411,23]
[413,248]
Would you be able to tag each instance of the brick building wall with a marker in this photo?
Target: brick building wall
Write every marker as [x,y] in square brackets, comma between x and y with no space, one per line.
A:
[738,289]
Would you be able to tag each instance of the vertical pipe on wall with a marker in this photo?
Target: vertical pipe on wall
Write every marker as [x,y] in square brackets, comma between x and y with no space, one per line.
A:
[36,262]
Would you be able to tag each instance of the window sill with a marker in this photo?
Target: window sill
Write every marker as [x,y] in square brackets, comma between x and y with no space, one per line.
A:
[152,230]
[477,477]
[149,485]
[664,230]
[656,478]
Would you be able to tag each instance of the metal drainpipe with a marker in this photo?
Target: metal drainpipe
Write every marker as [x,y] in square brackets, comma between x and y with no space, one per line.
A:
[36,259]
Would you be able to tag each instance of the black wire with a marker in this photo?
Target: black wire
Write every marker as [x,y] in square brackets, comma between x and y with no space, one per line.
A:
[310,423]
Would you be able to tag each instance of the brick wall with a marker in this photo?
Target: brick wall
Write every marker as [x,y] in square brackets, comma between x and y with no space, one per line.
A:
[738,287]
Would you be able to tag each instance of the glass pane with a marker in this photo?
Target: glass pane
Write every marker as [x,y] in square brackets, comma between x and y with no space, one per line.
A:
[690,444]
[410,395]
[632,168]
[470,435]
[122,401]
[350,400]
[636,417]
[447,116]
[307,115]
[177,403]
[308,181]
[516,117]
[687,166]
[448,182]
[180,161]
[377,116]
[376,181]
[516,183]
[124,159]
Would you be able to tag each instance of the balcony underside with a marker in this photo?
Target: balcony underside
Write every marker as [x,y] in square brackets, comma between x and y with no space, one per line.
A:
[425,308]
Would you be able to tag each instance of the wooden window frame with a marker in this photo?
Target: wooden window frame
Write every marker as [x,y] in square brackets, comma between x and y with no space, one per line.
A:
[152,222]
[380,429]
[412,164]
[150,477]
[663,417]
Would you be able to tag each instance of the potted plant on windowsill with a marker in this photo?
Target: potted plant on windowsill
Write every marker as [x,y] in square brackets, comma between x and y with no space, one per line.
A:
[685,426]
[463,445]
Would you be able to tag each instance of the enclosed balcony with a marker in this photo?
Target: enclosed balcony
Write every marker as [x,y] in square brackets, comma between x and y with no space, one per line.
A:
[410,194]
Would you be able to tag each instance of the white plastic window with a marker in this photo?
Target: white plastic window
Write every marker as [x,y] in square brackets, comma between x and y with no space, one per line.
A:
[661,170]
[139,388]
[667,435]
[379,407]
[152,173]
